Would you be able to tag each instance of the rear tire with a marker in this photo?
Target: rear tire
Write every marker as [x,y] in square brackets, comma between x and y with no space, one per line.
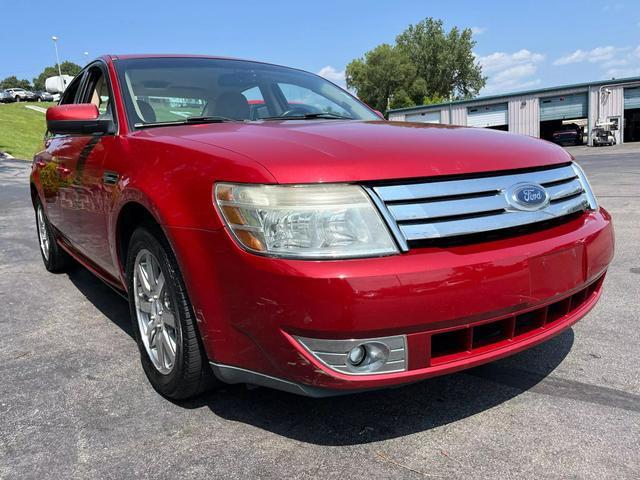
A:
[55,258]
[164,324]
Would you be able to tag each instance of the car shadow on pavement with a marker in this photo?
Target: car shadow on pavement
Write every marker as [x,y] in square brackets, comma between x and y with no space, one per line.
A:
[392,413]
[364,417]
[110,303]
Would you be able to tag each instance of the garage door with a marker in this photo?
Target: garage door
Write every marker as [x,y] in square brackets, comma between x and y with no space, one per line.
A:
[563,107]
[428,117]
[487,115]
[631,98]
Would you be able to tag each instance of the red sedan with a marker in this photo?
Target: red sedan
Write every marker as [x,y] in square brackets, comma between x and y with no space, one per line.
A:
[312,247]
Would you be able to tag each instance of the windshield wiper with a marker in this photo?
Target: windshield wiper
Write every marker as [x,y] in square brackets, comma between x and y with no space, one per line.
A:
[209,119]
[187,121]
[311,116]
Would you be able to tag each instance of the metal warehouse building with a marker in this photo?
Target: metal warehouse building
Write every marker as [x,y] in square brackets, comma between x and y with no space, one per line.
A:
[614,104]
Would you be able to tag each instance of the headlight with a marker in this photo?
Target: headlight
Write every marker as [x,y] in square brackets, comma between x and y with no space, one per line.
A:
[593,202]
[304,221]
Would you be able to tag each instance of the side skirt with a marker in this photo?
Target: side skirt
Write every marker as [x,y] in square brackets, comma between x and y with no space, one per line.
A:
[107,279]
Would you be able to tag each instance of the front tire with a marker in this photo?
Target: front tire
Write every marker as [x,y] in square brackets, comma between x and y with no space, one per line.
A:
[164,324]
[55,259]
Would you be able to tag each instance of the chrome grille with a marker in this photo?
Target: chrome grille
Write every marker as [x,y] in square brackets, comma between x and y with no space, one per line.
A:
[450,208]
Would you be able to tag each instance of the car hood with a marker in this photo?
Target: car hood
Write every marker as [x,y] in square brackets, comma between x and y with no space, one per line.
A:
[344,151]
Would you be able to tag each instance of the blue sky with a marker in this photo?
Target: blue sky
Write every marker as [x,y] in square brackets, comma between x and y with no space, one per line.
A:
[521,44]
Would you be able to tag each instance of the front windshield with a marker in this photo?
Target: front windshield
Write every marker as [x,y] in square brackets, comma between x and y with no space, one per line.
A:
[180,90]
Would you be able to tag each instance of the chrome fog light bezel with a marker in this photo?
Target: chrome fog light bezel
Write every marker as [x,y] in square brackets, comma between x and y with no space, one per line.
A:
[382,354]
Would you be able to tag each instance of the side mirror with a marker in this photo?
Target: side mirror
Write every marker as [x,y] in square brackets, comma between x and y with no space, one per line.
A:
[379,113]
[80,118]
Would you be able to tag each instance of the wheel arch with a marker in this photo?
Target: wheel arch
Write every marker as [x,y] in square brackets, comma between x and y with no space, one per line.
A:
[130,216]
[34,192]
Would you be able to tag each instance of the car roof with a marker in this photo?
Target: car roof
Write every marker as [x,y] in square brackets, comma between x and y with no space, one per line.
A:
[186,55]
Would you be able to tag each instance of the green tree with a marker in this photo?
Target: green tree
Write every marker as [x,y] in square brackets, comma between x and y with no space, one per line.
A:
[67,68]
[14,82]
[444,60]
[380,75]
[427,65]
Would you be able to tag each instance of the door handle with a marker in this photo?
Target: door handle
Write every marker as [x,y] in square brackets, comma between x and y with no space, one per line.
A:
[110,178]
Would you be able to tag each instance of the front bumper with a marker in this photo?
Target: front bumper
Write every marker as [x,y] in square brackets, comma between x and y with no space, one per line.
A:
[250,309]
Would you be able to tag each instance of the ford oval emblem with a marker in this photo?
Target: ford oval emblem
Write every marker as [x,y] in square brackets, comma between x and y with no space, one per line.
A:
[528,196]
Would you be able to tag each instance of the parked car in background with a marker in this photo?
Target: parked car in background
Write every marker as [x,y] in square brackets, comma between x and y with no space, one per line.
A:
[318,249]
[22,95]
[601,136]
[42,96]
[570,134]
[6,97]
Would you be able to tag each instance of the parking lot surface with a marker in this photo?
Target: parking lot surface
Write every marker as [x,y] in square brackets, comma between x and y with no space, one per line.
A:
[75,404]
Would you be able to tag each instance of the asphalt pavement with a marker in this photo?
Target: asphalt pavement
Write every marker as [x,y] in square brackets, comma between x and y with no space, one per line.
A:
[75,404]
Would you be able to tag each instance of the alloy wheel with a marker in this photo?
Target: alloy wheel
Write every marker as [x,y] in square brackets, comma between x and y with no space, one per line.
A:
[43,234]
[154,311]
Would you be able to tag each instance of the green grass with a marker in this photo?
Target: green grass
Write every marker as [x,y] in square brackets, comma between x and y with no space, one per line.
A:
[21,129]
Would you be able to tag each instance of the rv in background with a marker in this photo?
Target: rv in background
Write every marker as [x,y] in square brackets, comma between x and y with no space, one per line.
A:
[56,85]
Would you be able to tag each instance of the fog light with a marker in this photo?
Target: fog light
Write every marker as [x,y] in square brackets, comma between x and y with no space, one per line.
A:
[359,356]
[368,357]
[356,355]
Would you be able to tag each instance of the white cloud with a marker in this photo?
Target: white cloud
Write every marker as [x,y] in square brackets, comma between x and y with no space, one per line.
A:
[596,55]
[332,74]
[508,72]
[518,71]
[500,60]
[613,61]
[478,30]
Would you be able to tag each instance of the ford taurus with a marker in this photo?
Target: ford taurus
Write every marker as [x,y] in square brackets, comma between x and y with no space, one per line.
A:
[269,228]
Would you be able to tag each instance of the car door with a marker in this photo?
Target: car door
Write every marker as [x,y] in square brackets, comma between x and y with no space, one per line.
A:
[58,151]
[91,185]
[80,159]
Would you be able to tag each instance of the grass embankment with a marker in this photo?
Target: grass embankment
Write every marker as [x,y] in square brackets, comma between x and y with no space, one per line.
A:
[21,129]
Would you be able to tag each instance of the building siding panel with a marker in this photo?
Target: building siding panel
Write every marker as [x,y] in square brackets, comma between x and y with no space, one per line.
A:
[606,106]
[524,115]
[459,115]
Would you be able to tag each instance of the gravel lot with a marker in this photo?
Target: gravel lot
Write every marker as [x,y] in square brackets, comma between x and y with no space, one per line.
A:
[74,402]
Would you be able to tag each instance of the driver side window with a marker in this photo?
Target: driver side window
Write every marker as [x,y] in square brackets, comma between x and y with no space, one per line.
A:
[97,92]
